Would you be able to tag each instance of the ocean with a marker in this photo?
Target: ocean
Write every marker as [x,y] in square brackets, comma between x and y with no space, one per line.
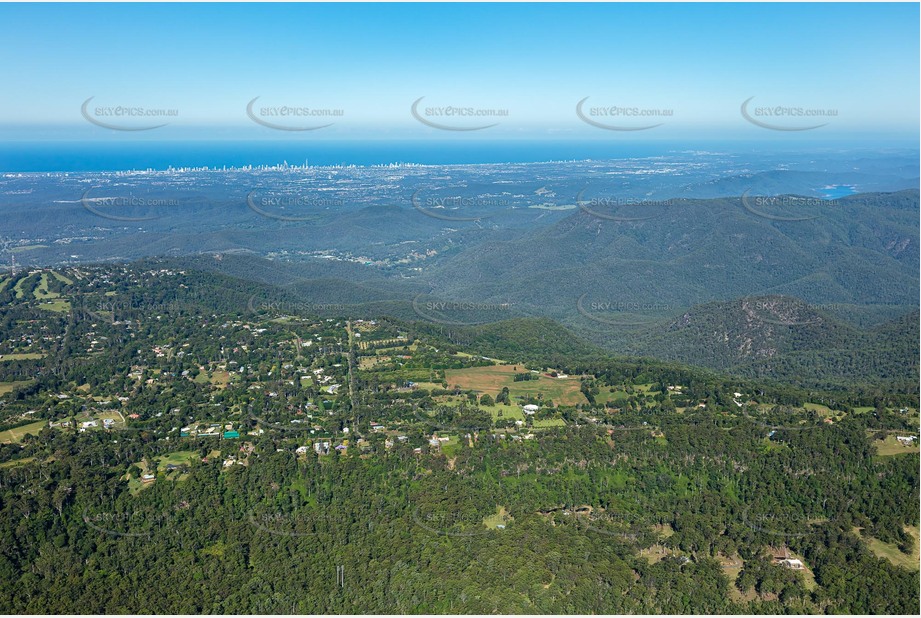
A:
[111,155]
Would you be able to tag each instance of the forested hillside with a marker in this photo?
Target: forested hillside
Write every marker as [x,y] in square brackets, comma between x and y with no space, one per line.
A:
[178,441]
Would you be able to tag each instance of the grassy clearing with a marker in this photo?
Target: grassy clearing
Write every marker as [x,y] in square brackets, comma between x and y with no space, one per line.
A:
[492,379]
[367,362]
[17,289]
[451,447]
[15,435]
[41,291]
[22,356]
[606,396]
[220,378]
[891,446]
[891,552]
[62,278]
[16,462]
[110,415]
[135,484]
[60,305]
[9,387]
[27,248]
[821,410]
[500,518]
[497,411]
[732,566]
[428,386]
[655,553]
[549,422]
[179,458]
[396,350]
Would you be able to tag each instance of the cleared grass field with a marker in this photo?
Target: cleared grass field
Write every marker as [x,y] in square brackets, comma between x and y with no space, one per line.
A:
[59,305]
[21,356]
[891,552]
[15,435]
[62,278]
[41,291]
[17,289]
[366,362]
[389,343]
[16,462]
[497,411]
[134,483]
[605,396]
[218,378]
[492,379]
[178,458]
[819,409]
[732,566]
[428,385]
[655,553]
[451,447]
[891,446]
[397,350]
[111,414]
[503,412]
[549,422]
[500,518]
[8,387]
[27,248]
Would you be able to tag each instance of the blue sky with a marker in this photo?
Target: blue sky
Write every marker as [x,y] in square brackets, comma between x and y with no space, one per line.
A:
[535,61]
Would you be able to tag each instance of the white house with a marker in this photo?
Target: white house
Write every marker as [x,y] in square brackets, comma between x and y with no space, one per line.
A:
[530,408]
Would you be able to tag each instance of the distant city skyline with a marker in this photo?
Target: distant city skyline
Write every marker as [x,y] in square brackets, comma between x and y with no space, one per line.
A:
[357,71]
